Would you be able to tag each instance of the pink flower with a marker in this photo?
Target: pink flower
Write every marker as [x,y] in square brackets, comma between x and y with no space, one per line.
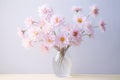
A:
[27,43]
[57,20]
[47,42]
[42,22]
[102,25]
[45,11]
[44,48]
[47,28]
[79,19]
[89,29]
[29,21]
[76,8]
[62,40]
[34,33]
[21,33]
[53,31]
[76,36]
[49,39]
[94,11]
[68,28]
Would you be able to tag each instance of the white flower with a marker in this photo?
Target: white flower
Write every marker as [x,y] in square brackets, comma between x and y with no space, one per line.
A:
[29,21]
[45,11]
[34,33]
[44,48]
[27,43]
[21,33]
[57,20]
[62,40]
[78,19]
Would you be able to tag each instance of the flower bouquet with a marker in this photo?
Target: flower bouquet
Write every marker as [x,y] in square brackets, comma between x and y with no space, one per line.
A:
[53,31]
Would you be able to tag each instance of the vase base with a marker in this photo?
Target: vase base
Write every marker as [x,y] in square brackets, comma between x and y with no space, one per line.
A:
[62,76]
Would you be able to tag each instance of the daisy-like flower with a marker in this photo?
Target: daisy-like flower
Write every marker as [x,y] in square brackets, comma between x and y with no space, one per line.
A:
[21,33]
[44,48]
[79,19]
[49,39]
[102,25]
[57,20]
[29,21]
[62,40]
[47,28]
[53,31]
[42,22]
[94,10]
[45,11]
[76,36]
[34,33]
[67,28]
[76,8]
[89,29]
[27,43]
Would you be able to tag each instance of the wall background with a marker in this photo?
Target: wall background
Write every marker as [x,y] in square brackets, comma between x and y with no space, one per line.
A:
[99,55]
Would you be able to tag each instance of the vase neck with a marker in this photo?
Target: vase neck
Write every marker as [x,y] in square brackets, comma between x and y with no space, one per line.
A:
[62,53]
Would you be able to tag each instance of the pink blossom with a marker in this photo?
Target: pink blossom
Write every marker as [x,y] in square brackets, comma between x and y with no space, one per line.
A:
[76,8]
[47,28]
[21,33]
[79,19]
[68,28]
[62,40]
[47,42]
[29,21]
[27,43]
[49,39]
[53,31]
[94,11]
[76,36]
[42,22]
[34,33]
[44,48]
[89,29]
[102,25]
[57,20]
[45,11]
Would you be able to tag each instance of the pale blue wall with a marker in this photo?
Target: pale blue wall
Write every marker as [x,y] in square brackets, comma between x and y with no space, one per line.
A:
[100,55]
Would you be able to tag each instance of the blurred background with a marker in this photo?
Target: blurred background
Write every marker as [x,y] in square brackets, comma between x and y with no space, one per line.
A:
[100,55]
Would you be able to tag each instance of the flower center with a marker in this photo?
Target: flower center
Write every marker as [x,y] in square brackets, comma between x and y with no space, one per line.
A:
[75,33]
[80,20]
[49,40]
[35,33]
[62,39]
[57,20]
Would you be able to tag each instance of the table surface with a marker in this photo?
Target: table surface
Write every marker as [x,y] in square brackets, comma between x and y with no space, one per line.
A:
[53,77]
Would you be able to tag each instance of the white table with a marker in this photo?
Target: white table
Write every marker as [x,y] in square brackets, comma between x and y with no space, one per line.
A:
[53,77]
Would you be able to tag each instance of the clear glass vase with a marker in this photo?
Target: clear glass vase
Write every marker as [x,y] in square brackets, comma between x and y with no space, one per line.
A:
[62,64]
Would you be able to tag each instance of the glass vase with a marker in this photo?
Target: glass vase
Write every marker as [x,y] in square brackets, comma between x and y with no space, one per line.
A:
[62,64]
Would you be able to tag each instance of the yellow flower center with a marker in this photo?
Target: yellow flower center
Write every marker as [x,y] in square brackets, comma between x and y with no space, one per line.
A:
[49,40]
[80,20]
[35,33]
[62,39]
[57,20]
